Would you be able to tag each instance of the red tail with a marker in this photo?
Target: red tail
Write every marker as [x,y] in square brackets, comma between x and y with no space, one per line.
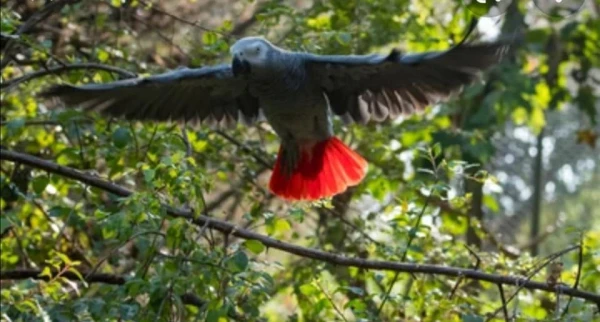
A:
[325,169]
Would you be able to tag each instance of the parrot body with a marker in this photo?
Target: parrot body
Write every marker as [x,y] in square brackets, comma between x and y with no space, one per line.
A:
[311,162]
[297,93]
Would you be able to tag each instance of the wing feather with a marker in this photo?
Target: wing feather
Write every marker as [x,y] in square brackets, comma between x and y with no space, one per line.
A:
[380,87]
[183,94]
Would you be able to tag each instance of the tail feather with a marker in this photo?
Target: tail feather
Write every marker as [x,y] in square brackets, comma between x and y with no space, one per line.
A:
[325,169]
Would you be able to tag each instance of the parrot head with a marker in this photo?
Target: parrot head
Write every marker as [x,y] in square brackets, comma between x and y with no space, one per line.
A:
[249,52]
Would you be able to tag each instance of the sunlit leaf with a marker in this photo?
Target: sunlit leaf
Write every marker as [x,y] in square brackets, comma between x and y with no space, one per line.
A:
[254,246]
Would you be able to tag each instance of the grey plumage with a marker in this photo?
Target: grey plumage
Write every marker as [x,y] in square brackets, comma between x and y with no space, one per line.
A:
[365,87]
[295,91]
[202,94]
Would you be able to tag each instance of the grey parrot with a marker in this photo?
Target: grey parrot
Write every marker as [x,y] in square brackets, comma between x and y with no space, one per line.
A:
[297,93]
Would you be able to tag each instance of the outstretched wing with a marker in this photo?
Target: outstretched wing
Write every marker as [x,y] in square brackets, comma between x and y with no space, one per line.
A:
[378,87]
[200,94]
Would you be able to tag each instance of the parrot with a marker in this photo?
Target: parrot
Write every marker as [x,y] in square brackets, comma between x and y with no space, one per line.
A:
[298,94]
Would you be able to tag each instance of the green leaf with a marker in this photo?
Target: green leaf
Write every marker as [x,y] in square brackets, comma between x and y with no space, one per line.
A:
[209,38]
[282,225]
[308,289]
[39,184]
[64,258]
[14,125]
[149,175]
[238,262]
[109,233]
[121,137]
[277,226]
[59,211]
[46,272]
[4,225]
[254,246]
[436,150]
[77,273]
[103,55]
[586,101]
[217,315]
[356,305]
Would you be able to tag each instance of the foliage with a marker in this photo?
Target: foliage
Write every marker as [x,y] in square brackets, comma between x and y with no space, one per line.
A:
[418,203]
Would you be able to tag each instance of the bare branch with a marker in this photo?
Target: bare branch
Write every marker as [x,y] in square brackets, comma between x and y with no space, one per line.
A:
[335,259]
[504,304]
[60,69]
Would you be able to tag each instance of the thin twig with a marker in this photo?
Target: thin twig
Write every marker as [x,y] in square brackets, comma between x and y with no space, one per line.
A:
[411,237]
[339,312]
[353,226]
[149,232]
[175,17]
[149,145]
[244,25]
[504,304]
[186,141]
[168,40]
[332,258]
[460,279]
[550,288]
[244,147]
[578,277]
[61,69]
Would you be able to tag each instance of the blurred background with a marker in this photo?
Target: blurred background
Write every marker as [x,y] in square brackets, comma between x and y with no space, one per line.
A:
[510,167]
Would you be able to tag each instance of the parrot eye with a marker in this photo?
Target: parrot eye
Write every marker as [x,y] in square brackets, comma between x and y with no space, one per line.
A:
[257,50]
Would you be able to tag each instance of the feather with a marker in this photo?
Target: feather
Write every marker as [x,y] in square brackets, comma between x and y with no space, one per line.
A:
[183,94]
[387,86]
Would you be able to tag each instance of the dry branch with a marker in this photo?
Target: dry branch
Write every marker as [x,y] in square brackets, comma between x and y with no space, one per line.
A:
[335,259]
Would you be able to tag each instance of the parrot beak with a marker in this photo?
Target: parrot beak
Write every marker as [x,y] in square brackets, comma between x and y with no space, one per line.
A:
[240,67]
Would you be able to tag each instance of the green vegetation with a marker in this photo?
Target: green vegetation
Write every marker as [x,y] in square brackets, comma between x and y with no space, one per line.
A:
[75,248]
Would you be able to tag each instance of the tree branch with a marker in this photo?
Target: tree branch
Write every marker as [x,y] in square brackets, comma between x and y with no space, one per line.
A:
[228,228]
[504,304]
[60,69]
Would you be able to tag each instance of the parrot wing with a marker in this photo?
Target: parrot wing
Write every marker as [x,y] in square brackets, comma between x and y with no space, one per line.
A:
[377,87]
[185,94]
